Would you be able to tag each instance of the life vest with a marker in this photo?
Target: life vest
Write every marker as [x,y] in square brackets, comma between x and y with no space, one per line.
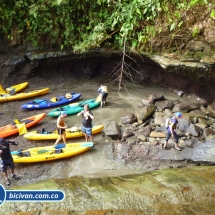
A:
[104,89]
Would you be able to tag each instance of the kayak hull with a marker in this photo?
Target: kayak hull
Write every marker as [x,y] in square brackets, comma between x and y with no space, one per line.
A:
[48,103]
[70,133]
[12,129]
[16,88]
[49,153]
[18,96]
[74,108]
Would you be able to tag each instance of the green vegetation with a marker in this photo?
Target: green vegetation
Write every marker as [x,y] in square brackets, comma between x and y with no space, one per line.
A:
[85,24]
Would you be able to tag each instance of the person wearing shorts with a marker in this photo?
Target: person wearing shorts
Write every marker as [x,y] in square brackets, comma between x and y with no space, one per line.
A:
[171,131]
[7,159]
[61,128]
[87,117]
[104,91]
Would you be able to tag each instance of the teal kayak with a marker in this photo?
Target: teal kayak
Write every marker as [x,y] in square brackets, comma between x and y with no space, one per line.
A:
[74,107]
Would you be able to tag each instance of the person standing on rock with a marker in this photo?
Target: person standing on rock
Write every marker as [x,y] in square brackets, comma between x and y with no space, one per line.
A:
[61,128]
[87,117]
[7,159]
[103,89]
[171,131]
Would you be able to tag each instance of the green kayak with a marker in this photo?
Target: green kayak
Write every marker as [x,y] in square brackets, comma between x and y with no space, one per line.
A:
[74,107]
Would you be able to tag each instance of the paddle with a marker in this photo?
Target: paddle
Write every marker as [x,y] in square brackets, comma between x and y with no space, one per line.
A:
[62,145]
[99,98]
[1,89]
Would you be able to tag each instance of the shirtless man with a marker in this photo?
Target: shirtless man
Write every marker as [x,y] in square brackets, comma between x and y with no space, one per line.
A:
[61,128]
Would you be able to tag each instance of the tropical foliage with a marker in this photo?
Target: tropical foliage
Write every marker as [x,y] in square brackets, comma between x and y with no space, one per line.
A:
[85,24]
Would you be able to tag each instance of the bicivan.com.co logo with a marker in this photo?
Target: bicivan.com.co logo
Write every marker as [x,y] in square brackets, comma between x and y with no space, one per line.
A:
[30,195]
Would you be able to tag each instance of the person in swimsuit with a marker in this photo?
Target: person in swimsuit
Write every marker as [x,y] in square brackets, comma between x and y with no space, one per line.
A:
[87,117]
[61,128]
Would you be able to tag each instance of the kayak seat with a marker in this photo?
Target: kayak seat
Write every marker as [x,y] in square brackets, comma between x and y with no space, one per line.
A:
[68,96]
[38,101]
[58,151]
[43,131]
[75,130]
[59,98]
[26,121]
[54,99]
[23,154]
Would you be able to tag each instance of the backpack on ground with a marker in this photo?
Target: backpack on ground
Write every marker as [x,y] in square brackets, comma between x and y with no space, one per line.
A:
[168,122]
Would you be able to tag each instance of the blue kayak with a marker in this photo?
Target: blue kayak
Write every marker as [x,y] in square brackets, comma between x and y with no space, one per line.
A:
[52,102]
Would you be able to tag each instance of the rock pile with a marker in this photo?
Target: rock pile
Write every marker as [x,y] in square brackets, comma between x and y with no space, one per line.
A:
[143,131]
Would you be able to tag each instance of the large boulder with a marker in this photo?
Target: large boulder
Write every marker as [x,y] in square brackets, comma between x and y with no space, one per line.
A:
[152,99]
[127,133]
[112,130]
[183,124]
[208,132]
[185,107]
[208,112]
[128,118]
[162,105]
[145,131]
[144,112]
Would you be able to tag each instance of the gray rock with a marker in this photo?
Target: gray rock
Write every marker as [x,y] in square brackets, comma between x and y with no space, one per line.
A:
[208,132]
[185,107]
[144,112]
[112,130]
[192,130]
[145,131]
[152,99]
[127,133]
[162,105]
[128,118]
[208,112]
[142,137]
[183,124]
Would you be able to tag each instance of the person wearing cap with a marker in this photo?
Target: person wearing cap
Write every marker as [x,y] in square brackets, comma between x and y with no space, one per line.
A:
[104,91]
[61,128]
[7,159]
[87,117]
[171,131]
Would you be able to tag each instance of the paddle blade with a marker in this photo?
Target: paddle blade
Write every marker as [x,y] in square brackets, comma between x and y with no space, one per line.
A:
[87,144]
[99,98]
[22,129]
[16,121]
[1,89]
[15,152]
[59,146]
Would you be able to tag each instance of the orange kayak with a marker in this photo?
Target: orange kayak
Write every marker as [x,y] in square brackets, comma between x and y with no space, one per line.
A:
[11,129]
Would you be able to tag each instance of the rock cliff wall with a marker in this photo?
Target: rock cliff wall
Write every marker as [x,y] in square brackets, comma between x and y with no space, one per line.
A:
[191,73]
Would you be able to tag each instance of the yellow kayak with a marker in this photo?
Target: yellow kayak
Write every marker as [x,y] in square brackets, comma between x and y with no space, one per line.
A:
[18,96]
[13,89]
[70,133]
[48,153]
